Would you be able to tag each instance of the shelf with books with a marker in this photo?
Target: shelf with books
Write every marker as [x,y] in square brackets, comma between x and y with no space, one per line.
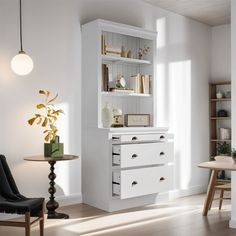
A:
[120,60]
[120,93]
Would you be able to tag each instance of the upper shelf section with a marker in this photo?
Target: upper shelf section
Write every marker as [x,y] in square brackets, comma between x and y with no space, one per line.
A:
[123,60]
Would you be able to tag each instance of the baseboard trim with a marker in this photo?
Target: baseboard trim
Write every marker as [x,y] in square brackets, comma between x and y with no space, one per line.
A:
[69,200]
[193,190]
[232,223]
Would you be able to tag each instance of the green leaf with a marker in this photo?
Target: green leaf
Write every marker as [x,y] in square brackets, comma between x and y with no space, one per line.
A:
[45,122]
[53,99]
[39,121]
[31,121]
[44,92]
[40,106]
[46,138]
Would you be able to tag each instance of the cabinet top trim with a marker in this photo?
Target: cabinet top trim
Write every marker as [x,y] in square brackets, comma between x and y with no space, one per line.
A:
[114,27]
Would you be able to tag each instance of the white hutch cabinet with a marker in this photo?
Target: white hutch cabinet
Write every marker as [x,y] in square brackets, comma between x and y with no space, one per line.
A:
[128,166]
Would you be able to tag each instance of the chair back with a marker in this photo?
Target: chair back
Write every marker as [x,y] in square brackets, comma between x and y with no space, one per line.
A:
[8,188]
[228,159]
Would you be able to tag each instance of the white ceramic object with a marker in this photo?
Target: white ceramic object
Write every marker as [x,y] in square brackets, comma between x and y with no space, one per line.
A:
[219,95]
[107,116]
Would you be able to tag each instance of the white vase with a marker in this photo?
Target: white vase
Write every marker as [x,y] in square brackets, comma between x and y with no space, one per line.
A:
[107,116]
[219,95]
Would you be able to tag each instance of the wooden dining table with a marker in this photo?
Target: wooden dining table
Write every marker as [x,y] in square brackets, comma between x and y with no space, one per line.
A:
[215,167]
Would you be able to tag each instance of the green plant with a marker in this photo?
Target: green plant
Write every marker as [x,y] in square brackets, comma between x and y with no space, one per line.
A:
[223,148]
[48,116]
[233,152]
[143,51]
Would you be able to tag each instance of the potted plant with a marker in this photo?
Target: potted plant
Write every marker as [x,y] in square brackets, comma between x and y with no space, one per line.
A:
[233,154]
[46,118]
[143,51]
[223,149]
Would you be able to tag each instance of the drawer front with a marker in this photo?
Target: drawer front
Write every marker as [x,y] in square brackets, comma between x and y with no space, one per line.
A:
[131,155]
[140,137]
[139,182]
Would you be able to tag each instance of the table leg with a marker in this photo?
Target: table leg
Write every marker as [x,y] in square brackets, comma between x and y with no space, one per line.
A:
[210,192]
[52,204]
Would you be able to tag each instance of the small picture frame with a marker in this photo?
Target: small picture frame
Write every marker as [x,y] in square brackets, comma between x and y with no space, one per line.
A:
[137,120]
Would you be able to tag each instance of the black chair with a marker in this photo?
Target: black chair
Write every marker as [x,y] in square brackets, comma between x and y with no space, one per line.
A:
[11,201]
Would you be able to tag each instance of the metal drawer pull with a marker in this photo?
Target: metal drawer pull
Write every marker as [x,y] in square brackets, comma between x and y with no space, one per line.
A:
[134,138]
[134,156]
[162,179]
[162,137]
[134,183]
[162,153]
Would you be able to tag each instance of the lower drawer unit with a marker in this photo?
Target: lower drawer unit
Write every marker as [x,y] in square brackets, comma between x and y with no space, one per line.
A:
[143,181]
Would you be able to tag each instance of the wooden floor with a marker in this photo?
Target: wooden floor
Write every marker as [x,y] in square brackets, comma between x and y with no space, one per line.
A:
[182,217]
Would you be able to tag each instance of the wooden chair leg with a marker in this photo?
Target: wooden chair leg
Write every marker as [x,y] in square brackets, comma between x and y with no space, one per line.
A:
[213,194]
[27,224]
[41,223]
[221,198]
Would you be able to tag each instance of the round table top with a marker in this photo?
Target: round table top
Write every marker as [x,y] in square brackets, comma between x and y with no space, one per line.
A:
[218,165]
[43,158]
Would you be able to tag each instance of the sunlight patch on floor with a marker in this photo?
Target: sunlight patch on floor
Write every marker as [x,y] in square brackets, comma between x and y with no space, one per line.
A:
[109,223]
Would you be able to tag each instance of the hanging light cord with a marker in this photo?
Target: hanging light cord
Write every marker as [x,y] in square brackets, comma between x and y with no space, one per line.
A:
[21,47]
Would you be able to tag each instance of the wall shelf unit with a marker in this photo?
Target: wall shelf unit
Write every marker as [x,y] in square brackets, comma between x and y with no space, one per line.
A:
[216,122]
[117,161]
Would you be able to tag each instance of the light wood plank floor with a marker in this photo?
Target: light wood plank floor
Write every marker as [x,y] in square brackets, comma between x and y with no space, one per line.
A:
[181,217]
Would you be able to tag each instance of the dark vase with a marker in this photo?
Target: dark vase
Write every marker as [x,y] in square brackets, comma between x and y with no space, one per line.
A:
[54,148]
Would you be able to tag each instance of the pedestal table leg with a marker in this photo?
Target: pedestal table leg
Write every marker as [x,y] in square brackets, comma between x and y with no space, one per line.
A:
[52,204]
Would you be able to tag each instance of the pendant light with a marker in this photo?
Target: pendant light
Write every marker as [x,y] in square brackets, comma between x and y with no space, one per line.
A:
[21,64]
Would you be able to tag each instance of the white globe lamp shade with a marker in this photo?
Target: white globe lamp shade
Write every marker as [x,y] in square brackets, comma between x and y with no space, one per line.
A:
[22,64]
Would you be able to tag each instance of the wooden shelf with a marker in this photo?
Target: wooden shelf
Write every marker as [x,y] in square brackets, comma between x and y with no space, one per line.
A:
[125,94]
[220,83]
[220,99]
[117,59]
[220,140]
[221,118]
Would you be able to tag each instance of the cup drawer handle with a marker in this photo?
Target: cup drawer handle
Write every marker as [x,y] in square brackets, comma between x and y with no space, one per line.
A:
[134,183]
[162,179]
[162,153]
[134,138]
[162,137]
[134,156]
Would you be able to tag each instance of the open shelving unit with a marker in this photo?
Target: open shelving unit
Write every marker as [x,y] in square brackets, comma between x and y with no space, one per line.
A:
[216,122]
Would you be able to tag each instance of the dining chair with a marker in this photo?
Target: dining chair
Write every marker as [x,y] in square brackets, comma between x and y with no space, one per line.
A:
[221,185]
[12,202]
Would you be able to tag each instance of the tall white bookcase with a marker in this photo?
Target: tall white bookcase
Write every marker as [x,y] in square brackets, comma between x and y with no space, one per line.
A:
[121,167]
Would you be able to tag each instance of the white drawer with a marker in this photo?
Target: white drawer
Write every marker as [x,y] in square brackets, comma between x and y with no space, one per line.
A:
[140,137]
[131,155]
[138,182]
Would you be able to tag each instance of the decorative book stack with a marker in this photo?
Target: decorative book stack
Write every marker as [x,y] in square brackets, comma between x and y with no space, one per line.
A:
[141,83]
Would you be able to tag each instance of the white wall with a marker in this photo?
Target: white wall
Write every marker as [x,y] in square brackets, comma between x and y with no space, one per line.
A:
[183,70]
[221,53]
[52,38]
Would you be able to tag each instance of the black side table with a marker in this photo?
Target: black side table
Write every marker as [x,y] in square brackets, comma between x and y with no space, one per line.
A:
[52,204]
